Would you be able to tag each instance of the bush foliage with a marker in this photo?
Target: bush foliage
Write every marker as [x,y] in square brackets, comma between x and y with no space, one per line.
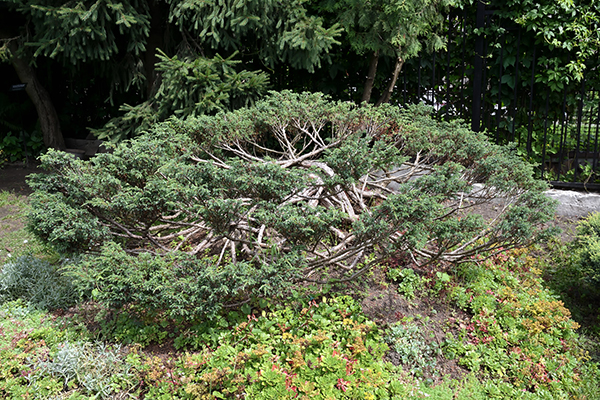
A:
[588,245]
[296,187]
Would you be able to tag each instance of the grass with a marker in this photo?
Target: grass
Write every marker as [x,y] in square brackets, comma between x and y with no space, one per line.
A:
[14,238]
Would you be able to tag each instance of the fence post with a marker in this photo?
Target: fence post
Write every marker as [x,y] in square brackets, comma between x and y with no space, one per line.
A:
[478,65]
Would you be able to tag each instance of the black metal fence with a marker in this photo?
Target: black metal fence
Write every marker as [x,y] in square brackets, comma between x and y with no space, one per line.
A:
[500,78]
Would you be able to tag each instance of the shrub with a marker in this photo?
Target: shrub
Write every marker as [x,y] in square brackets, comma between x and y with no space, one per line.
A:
[296,183]
[177,285]
[41,284]
[588,249]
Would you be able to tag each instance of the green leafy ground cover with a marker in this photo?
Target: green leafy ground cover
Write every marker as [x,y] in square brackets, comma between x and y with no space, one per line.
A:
[514,338]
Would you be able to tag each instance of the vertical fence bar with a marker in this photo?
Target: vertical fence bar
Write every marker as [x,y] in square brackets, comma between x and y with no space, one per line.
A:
[579,119]
[404,91]
[514,108]
[531,93]
[563,118]
[419,83]
[433,82]
[500,90]
[595,165]
[448,68]
[545,131]
[590,118]
[485,120]
[464,65]
[478,65]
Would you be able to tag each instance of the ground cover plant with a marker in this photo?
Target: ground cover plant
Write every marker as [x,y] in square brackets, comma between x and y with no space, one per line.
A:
[520,332]
[320,347]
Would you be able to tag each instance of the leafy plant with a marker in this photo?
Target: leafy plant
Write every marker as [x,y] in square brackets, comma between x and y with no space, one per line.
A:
[411,348]
[519,332]
[409,283]
[15,147]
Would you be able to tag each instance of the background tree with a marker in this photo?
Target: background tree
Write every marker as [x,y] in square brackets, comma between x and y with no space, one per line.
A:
[121,42]
[396,29]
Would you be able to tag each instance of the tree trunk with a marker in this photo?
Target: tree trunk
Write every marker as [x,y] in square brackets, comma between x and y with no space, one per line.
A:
[40,98]
[385,97]
[368,88]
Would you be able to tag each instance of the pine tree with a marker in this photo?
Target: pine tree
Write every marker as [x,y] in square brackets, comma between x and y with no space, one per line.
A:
[184,57]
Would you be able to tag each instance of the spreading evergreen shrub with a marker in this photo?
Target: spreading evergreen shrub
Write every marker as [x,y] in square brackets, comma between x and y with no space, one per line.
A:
[296,187]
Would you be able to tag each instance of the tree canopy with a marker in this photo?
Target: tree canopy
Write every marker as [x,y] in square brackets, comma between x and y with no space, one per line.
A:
[158,49]
[119,66]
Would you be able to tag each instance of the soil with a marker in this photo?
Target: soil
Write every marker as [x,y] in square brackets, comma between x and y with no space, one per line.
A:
[12,177]
[431,314]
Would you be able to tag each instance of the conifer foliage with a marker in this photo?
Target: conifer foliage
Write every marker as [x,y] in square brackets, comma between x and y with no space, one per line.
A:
[296,182]
[188,56]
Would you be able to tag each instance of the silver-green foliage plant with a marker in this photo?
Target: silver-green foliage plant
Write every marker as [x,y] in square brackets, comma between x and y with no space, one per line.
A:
[297,184]
[100,370]
[41,284]
[411,348]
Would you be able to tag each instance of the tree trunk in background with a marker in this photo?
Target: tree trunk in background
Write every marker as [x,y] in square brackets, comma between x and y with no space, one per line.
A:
[368,88]
[385,97]
[40,98]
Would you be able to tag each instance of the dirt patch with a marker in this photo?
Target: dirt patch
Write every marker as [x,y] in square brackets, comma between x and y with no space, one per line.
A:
[13,177]
[9,219]
[434,317]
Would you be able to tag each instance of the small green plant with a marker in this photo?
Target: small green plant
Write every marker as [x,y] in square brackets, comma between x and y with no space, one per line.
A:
[41,284]
[409,283]
[411,348]
[442,280]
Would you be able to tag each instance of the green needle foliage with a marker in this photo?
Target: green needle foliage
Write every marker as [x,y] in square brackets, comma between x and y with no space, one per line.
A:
[296,187]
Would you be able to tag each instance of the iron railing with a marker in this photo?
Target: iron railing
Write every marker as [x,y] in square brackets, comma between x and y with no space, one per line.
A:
[497,80]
